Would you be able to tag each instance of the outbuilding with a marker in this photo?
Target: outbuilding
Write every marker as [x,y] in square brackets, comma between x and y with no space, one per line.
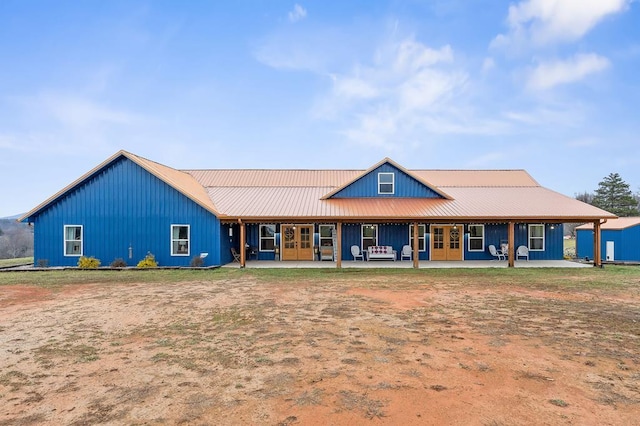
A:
[620,240]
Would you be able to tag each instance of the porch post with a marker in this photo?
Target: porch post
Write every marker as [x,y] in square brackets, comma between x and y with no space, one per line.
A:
[243,243]
[511,242]
[597,254]
[416,246]
[339,245]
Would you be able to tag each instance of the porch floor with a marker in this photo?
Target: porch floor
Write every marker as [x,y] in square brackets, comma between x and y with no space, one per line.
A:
[408,264]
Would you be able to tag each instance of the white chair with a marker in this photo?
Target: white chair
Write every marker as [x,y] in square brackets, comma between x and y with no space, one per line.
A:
[356,253]
[496,253]
[406,252]
[522,251]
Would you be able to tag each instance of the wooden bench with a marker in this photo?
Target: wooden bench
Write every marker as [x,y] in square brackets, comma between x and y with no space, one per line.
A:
[326,253]
[381,252]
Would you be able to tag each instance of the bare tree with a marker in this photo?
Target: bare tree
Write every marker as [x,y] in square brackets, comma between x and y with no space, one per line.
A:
[16,242]
[585,197]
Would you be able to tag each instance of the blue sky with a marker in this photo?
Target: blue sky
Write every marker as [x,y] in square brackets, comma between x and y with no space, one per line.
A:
[550,86]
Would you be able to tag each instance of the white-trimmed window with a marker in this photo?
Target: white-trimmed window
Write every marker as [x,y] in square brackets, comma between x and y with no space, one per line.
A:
[536,237]
[180,236]
[476,237]
[73,240]
[369,236]
[267,237]
[325,235]
[421,232]
[386,183]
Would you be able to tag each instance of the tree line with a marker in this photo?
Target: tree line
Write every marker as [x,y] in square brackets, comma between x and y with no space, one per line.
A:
[613,195]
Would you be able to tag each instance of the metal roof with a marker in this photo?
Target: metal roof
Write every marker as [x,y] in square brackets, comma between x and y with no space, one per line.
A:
[336,178]
[468,203]
[615,224]
[260,195]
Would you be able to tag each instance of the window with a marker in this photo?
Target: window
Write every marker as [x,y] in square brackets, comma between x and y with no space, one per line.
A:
[536,237]
[326,235]
[267,237]
[73,240]
[421,232]
[369,236]
[180,240]
[437,234]
[476,237]
[385,183]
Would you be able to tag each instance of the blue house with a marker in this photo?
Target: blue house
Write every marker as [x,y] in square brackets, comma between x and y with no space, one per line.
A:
[619,242]
[129,206]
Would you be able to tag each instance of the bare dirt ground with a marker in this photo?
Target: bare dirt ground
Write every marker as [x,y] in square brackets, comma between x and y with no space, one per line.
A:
[362,350]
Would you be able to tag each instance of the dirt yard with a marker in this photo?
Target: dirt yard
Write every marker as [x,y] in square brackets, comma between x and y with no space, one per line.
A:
[353,349]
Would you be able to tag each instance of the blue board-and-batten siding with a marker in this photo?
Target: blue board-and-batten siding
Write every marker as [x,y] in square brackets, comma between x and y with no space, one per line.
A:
[626,243]
[123,206]
[405,186]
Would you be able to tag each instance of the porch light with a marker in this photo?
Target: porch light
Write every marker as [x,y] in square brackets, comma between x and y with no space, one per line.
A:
[230,231]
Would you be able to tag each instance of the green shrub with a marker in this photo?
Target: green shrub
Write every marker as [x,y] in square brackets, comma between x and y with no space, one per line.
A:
[149,261]
[118,263]
[197,262]
[88,262]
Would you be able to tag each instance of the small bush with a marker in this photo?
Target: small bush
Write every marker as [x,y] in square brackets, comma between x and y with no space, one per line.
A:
[88,262]
[118,263]
[149,261]
[197,262]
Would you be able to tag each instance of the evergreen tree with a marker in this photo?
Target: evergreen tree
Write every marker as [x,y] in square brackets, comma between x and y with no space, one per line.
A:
[613,195]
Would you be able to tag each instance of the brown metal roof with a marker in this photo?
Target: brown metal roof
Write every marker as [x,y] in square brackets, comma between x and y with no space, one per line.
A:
[298,195]
[337,178]
[615,224]
[273,178]
[486,178]
[475,194]
[181,181]
[468,203]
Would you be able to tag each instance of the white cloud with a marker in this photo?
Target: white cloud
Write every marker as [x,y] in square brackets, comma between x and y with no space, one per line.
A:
[76,111]
[488,64]
[408,89]
[354,88]
[550,74]
[543,22]
[298,13]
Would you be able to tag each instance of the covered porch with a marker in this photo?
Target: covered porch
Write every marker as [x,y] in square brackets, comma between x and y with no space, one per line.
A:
[263,244]
[478,264]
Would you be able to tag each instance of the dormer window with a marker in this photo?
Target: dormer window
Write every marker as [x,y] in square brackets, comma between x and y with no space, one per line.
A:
[386,183]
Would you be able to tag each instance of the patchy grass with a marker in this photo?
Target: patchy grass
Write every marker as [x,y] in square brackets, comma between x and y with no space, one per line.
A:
[612,277]
[5,263]
[290,346]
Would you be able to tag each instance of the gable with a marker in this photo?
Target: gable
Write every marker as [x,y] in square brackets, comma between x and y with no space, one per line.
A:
[386,180]
[177,180]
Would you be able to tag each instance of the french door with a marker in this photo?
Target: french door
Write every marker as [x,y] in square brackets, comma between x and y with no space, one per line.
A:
[297,242]
[446,242]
